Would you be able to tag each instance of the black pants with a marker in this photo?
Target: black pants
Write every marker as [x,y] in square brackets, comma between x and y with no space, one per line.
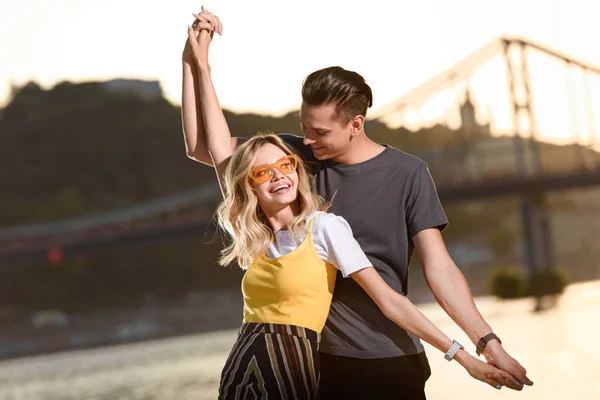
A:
[381,378]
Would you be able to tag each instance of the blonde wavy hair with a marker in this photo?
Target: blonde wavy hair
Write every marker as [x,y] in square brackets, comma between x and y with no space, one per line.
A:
[240,215]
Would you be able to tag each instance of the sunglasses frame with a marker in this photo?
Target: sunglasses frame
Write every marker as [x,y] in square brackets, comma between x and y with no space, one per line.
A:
[271,167]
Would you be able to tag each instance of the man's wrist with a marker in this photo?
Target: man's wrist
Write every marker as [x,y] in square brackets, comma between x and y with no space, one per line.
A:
[488,344]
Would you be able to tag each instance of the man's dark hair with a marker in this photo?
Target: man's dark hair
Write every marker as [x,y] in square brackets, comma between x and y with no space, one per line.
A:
[346,90]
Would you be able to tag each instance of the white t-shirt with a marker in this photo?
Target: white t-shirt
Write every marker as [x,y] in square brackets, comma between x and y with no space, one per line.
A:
[333,240]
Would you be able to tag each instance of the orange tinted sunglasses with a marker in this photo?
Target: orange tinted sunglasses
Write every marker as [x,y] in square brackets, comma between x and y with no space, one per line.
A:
[263,173]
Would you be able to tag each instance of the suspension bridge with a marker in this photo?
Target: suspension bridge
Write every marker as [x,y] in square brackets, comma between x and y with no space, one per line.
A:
[512,153]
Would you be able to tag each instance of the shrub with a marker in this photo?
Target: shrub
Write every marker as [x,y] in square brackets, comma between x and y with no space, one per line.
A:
[547,282]
[507,283]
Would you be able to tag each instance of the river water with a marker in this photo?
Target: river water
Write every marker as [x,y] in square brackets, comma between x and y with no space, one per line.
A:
[559,347]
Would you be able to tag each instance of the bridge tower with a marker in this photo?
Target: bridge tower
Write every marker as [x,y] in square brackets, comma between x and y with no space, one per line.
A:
[528,158]
[537,228]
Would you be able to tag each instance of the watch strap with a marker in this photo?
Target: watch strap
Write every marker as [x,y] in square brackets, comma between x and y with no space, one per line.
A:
[453,350]
[484,341]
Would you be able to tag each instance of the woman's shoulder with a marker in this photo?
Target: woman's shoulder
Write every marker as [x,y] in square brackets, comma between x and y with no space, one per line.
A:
[325,221]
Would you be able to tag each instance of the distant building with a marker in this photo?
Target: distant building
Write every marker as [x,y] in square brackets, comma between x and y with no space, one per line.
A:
[468,118]
[146,90]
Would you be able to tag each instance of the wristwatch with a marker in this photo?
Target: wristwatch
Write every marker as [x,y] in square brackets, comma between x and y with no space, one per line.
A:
[484,341]
[453,350]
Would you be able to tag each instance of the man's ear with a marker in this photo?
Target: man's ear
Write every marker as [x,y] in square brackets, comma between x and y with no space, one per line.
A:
[357,125]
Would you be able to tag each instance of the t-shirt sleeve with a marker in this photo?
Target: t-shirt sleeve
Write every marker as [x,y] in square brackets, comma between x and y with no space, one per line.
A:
[304,151]
[423,207]
[336,245]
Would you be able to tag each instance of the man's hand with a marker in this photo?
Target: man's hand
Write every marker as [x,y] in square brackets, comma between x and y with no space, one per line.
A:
[497,356]
[453,294]
[486,373]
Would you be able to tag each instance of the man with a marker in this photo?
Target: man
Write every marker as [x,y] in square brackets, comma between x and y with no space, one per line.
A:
[391,203]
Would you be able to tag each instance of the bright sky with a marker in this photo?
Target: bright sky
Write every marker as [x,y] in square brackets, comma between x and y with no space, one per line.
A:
[269,46]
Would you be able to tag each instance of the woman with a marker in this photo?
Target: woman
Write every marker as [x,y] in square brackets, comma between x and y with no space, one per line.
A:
[290,249]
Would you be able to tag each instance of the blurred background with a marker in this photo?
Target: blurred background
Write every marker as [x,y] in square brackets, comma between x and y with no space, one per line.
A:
[109,287]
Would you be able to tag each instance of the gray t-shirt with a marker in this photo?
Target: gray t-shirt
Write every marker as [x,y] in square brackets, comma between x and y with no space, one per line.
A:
[386,200]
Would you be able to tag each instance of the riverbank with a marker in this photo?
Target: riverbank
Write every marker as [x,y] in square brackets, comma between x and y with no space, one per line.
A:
[554,345]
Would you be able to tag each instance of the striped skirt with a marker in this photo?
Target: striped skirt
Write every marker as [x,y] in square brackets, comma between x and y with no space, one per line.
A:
[272,361]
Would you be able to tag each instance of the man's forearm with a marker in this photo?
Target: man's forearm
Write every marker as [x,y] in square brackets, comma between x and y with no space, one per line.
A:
[218,137]
[452,292]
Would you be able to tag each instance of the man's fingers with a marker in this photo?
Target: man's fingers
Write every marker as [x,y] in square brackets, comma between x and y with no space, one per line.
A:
[220,25]
[522,377]
[527,381]
[200,18]
[520,374]
[208,17]
[512,382]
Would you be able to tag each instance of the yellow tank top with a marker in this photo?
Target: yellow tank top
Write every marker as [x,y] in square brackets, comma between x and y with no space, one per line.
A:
[294,289]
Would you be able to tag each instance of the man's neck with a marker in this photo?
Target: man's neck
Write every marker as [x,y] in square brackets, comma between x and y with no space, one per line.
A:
[361,150]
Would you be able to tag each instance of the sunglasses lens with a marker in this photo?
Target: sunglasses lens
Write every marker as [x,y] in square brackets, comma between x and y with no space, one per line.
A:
[261,175]
[287,165]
